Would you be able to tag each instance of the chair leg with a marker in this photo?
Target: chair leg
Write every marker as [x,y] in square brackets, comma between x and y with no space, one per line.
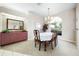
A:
[52,45]
[55,43]
[39,46]
[45,46]
[35,44]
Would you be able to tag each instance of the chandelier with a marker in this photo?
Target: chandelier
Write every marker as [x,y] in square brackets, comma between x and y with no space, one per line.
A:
[48,18]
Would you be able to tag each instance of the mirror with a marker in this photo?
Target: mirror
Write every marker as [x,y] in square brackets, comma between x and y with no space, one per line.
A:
[14,24]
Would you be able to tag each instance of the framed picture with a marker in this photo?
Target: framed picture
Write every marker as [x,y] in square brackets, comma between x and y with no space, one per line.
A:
[13,24]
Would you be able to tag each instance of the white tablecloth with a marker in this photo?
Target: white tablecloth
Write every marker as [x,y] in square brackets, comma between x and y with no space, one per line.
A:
[45,36]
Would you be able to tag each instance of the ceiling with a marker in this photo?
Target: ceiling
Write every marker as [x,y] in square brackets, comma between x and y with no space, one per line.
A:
[39,8]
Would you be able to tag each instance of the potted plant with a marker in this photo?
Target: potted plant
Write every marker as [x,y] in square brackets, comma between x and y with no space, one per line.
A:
[5,31]
[24,30]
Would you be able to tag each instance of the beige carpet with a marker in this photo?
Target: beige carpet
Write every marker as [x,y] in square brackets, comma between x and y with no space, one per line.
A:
[27,48]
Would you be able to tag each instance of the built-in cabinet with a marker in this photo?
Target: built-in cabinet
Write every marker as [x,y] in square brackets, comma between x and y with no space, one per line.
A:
[12,37]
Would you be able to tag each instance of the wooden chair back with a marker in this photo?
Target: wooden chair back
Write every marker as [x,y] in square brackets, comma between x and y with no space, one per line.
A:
[36,35]
[54,36]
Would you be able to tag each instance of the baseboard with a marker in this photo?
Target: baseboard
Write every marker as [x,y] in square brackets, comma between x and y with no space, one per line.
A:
[74,42]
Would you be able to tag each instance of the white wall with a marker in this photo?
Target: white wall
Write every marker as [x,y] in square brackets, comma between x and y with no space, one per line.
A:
[77,25]
[68,25]
[30,24]
[0,22]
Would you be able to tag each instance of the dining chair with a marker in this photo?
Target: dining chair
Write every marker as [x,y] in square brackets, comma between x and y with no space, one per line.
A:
[47,41]
[54,39]
[36,37]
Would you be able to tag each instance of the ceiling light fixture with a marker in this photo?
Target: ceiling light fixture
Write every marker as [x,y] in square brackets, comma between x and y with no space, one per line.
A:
[48,18]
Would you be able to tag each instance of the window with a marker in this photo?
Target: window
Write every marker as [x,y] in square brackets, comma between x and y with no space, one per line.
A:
[55,23]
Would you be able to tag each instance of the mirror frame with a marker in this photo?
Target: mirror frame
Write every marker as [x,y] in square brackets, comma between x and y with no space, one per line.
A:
[7,24]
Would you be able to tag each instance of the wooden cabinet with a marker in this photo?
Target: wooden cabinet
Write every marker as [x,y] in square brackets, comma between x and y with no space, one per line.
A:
[11,37]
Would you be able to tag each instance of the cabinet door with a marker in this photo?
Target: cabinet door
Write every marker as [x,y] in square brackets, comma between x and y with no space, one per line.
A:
[5,39]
